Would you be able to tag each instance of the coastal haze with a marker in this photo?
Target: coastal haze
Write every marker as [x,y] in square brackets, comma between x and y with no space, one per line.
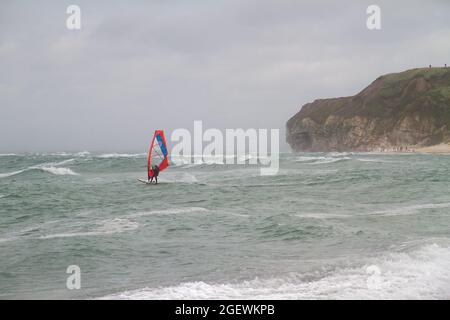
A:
[138,66]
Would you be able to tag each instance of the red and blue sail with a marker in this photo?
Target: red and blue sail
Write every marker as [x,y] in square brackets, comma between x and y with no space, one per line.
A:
[158,154]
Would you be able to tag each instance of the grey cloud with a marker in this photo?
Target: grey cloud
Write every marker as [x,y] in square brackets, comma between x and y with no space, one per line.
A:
[140,65]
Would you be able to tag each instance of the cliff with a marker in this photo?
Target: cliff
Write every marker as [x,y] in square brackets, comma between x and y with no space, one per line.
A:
[397,111]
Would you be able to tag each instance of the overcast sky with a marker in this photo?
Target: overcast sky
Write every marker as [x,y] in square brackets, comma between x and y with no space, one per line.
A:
[137,66]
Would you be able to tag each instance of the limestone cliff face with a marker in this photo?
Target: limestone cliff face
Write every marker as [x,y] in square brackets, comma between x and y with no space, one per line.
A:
[407,109]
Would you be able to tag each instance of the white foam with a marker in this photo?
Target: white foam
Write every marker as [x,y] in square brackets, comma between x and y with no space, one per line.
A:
[10,174]
[7,154]
[61,154]
[306,159]
[340,154]
[47,167]
[65,154]
[169,211]
[107,227]
[330,160]
[25,233]
[204,160]
[51,167]
[421,274]
[116,225]
[322,215]
[121,155]
[320,159]
[198,163]
[59,171]
[413,209]
[82,154]
[8,239]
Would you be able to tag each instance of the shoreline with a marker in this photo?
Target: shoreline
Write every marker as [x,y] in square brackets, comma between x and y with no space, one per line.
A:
[442,148]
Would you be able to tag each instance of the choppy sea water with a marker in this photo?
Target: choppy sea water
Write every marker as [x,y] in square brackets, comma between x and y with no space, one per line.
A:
[328,226]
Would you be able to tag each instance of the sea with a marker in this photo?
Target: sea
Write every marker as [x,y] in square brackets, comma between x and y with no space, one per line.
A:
[327,226]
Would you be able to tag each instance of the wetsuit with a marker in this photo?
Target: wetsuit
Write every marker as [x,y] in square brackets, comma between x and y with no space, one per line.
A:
[155,174]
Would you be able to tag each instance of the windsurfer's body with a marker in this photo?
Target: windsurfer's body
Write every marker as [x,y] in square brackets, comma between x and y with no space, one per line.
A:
[155,170]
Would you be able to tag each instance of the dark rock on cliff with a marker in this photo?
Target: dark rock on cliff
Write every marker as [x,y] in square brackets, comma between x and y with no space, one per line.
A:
[397,111]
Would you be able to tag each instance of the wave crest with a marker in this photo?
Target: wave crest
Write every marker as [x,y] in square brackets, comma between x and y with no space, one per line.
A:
[421,274]
[59,171]
[121,155]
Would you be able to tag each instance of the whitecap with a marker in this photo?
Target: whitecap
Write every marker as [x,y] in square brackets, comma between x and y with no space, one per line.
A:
[169,211]
[197,163]
[8,239]
[107,227]
[47,167]
[320,159]
[307,159]
[59,171]
[60,154]
[413,209]
[82,154]
[10,174]
[52,167]
[322,215]
[331,160]
[420,274]
[338,154]
[121,155]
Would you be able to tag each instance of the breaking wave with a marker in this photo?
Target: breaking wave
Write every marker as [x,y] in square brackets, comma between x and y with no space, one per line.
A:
[10,174]
[121,155]
[322,215]
[420,274]
[82,154]
[59,171]
[51,167]
[320,160]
